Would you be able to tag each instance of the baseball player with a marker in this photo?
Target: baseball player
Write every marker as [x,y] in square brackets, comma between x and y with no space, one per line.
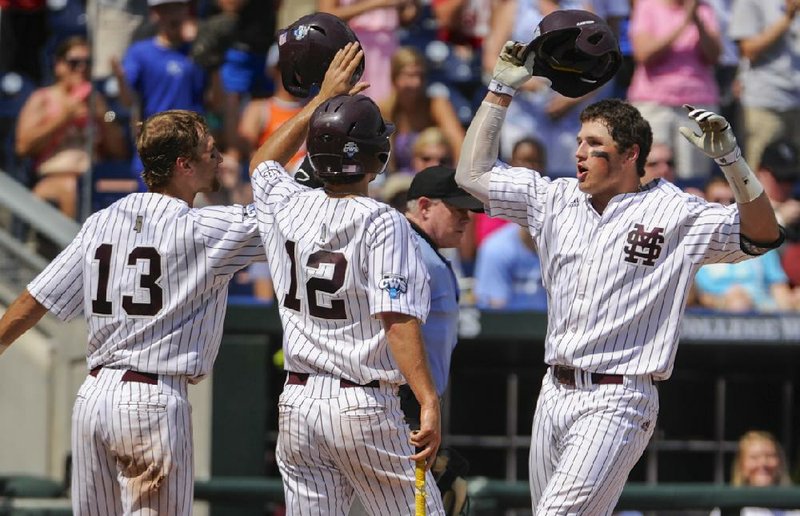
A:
[618,259]
[352,289]
[150,274]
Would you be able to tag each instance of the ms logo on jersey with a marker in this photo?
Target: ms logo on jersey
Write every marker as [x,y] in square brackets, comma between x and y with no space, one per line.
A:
[394,284]
[350,149]
[644,246]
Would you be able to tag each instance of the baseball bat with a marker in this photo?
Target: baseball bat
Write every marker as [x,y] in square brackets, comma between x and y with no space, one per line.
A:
[419,488]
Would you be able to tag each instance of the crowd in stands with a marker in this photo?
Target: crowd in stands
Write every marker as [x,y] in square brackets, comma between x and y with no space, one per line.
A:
[77,75]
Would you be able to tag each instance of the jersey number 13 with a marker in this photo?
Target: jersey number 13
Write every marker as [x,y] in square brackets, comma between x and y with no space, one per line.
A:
[101,305]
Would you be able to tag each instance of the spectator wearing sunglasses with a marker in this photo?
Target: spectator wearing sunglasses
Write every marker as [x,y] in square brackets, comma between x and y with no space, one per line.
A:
[53,129]
[430,149]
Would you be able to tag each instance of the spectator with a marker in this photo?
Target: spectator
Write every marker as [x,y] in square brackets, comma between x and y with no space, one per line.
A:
[242,71]
[53,128]
[412,109]
[23,33]
[112,25]
[157,73]
[430,149]
[263,116]
[375,22]
[659,164]
[759,462]
[727,69]
[767,33]
[779,172]
[508,275]
[676,44]
[757,285]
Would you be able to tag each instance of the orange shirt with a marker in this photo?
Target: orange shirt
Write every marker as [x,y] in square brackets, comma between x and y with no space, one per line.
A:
[276,112]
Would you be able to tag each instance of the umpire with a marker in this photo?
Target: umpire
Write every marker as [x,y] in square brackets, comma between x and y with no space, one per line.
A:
[438,211]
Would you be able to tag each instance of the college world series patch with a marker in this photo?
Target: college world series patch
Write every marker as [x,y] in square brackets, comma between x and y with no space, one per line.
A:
[394,284]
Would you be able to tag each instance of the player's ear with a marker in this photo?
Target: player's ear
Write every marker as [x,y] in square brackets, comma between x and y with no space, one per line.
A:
[632,154]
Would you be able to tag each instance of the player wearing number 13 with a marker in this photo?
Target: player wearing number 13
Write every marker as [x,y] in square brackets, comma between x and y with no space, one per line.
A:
[150,274]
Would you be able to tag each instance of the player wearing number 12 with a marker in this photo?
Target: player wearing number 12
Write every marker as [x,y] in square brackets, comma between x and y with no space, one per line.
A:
[353,289]
[150,274]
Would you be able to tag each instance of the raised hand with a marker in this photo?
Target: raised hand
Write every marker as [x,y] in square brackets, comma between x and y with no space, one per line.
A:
[716,140]
[513,68]
[338,79]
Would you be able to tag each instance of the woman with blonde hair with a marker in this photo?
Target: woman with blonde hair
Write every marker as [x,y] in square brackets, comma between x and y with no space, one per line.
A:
[759,461]
[412,109]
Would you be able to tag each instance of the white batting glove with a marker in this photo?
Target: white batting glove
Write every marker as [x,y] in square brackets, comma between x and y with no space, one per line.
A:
[512,68]
[716,140]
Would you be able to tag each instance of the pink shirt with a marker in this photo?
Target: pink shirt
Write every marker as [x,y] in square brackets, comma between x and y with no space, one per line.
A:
[680,76]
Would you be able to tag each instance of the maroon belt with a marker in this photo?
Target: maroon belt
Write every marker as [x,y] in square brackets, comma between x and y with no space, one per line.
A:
[566,376]
[293,378]
[132,376]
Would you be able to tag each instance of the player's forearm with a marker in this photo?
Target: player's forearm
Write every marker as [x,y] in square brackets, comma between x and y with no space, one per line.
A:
[406,344]
[481,146]
[23,313]
[757,220]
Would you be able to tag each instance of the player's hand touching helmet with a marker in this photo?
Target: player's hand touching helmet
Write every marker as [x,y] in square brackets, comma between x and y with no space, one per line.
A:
[716,139]
[338,78]
[513,67]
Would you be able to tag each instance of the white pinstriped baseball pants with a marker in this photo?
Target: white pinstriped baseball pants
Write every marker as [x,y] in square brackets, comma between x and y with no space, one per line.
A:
[132,447]
[585,441]
[336,443]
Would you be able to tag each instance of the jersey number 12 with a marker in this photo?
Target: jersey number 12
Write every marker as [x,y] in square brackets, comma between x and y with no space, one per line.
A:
[331,285]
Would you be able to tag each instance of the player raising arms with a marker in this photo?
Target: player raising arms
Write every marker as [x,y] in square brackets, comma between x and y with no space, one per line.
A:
[618,259]
[150,274]
[352,289]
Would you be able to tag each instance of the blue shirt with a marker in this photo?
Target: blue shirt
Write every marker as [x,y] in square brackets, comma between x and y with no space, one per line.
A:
[756,276]
[508,274]
[165,78]
[440,330]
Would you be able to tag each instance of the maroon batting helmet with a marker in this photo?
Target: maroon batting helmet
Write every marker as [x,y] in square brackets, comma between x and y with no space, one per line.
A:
[348,136]
[576,50]
[306,49]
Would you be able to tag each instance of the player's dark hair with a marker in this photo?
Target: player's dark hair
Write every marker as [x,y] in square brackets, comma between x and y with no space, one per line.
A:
[626,126]
[165,137]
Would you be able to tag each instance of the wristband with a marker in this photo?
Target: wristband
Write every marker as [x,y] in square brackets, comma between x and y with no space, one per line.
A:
[745,185]
[500,88]
[729,158]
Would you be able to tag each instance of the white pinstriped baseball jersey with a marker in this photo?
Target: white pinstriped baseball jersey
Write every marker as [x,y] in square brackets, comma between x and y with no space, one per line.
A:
[336,263]
[616,282]
[152,275]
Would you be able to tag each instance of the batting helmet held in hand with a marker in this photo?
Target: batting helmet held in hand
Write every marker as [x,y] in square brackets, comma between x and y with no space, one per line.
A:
[576,50]
[348,136]
[306,49]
